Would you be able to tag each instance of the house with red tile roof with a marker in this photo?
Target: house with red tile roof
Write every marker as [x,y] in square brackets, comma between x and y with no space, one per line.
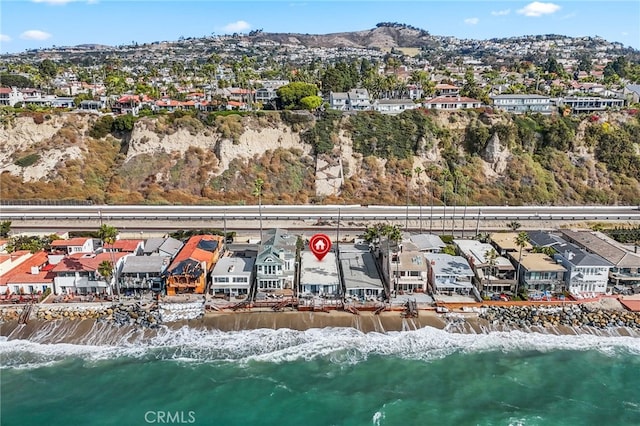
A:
[125,246]
[33,276]
[11,260]
[189,270]
[74,245]
[452,103]
[78,273]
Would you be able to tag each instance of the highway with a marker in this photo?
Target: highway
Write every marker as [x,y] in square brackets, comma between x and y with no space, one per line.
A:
[149,214]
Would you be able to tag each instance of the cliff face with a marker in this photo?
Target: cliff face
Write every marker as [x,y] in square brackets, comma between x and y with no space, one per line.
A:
[186,161]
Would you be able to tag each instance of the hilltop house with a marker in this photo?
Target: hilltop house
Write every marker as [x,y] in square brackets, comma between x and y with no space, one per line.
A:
[189,270]
[393,106]
[452,103]
[519,104]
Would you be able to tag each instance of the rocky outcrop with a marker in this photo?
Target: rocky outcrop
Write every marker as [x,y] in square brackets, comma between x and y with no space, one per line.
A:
[496,155]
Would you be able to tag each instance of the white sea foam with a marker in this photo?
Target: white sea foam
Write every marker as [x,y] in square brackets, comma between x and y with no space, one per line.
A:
[338,345]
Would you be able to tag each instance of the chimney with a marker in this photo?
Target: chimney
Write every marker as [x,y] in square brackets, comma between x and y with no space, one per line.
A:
[35,270]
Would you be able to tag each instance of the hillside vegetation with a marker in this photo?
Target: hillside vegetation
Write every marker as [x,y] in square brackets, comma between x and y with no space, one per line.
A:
[474,156]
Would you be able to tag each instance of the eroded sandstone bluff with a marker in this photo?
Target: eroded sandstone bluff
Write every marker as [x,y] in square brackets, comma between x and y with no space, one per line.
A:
[476,156]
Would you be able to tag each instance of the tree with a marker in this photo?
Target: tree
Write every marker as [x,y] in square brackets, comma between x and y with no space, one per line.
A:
[521,241]
[291,94]
[5,228]
[258,185]
[491,257]
[47,69]
[311,103]
[407,177]
[514,225]
[108,234]
[105,269]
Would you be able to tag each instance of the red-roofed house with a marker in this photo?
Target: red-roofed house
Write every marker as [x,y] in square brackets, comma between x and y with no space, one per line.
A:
[78,273]
[125,246]
[452,102]
[189,270]
[74,245]
[11,260]
[33,276]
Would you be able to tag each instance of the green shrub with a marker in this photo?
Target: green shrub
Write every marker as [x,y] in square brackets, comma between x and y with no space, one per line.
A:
[27,160]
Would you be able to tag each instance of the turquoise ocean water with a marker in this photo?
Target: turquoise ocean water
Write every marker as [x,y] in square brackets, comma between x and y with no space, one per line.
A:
[330,376]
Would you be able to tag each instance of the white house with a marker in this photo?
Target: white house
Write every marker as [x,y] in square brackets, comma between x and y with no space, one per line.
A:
[232,276]
[393,106]
[449,274]
[452,103]
[74,245]
[319,277]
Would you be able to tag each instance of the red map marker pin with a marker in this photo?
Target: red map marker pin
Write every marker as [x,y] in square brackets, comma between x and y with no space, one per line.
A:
[320,244]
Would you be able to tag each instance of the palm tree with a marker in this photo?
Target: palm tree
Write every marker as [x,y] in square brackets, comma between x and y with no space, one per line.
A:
[491,256]
[258,184]
[514,225]
[418,171]
[105,269]
[521,241]
[407,176]
[108,235]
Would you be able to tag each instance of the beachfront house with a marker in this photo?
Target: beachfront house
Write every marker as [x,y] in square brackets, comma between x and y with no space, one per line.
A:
[74,245]
[189,270]
[142,274]
[539,274]
[319,277]
[587,273]
[32,276]
[493,273]
[162,247]
[426,243]
[275,264]
[78,273]
[233,276]
[625,261]
[449,275]
[408,270]
[135,247]
[359,273]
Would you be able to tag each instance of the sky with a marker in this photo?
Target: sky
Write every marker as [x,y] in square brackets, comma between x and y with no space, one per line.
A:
[30,24]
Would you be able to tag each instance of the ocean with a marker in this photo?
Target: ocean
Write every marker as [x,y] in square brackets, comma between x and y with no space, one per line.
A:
[327,376]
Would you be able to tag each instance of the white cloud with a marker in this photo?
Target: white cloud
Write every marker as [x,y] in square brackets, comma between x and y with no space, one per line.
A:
[537,9]
[35,35]
[471,21]
[237,27]
[4,37]
[501,12]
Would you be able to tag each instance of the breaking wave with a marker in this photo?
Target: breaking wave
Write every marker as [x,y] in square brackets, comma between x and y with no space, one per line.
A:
[337,345]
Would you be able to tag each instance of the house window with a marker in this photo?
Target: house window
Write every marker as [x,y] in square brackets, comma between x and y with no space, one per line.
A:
[221,279]
[240,279]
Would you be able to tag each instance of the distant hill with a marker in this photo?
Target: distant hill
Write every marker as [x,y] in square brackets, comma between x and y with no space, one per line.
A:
[381,37]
